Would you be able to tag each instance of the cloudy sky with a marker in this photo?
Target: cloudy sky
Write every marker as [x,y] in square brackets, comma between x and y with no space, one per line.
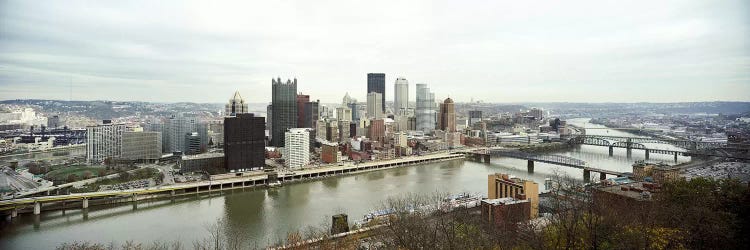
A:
[496,51]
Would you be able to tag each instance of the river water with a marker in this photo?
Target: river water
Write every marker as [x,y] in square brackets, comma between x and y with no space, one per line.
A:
[262,216]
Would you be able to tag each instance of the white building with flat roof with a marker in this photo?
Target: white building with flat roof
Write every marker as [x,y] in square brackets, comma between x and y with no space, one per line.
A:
[296,152]
[104,141]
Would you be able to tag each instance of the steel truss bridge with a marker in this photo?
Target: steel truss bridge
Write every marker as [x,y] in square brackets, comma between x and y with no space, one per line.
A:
[692,148]
[560,160]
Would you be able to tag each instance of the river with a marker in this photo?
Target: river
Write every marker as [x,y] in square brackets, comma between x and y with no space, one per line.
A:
[264,216]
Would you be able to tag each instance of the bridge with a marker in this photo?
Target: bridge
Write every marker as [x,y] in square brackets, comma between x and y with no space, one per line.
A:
[486,154]
[692,148]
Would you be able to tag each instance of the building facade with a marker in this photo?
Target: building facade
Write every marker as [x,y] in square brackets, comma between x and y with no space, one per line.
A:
[104,141]
[373,105]
[503,186]
[141,146]
[425,111]
[474,117]
[244,142]
[447,121]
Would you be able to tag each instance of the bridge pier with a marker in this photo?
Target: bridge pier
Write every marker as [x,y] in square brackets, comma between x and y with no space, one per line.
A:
[85,203]
[172,193]
[14,213]
[37,208]
[602,176]
[486,158]
[586,175]
[675,156]
[611,151]
[629,153]
[647,154]
[530,166]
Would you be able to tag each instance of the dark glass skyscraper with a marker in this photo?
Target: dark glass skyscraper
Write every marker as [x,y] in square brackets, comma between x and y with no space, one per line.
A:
[284,113]
[376,83]
[244,142]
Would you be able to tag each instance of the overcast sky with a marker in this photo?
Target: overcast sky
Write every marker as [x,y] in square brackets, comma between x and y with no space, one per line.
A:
[496,51]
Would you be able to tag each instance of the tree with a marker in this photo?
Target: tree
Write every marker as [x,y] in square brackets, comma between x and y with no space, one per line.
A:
[72,178]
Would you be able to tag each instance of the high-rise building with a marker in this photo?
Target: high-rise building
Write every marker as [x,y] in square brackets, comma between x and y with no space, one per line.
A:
[504,186]
[192,144]
[104,141]
[311,115]
[354,107]
[447,116]
[474,117]
[301,101]
[244,146]
[344,132]
[284,101]
[537,113]
[376,83]
[425,110]
[269,123]
[373,105]
[179,125]
[332,130]
[401,96]
[236,105]
[377,130]
[344,114]
[297,149]
[321,131]
[141,146]
[54,121]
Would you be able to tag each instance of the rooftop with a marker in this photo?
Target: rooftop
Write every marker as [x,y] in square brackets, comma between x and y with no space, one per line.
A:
[504,201]
[640,191]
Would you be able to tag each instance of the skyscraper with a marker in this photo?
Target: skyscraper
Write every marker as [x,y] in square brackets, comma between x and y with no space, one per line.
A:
[447,116]
[236,105]
[297,150]
[284,105]
[374,105]
[376,83]
[425,111]
[244,146]
[401,96]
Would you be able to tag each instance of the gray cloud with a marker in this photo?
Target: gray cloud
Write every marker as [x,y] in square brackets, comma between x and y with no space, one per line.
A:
[500,51]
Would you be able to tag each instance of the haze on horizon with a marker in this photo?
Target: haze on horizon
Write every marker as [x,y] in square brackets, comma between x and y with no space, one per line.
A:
[495,51]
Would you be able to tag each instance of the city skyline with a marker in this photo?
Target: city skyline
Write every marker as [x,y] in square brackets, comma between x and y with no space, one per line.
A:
[505,52]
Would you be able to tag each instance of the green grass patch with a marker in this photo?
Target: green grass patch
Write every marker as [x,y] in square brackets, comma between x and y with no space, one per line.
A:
[78,170]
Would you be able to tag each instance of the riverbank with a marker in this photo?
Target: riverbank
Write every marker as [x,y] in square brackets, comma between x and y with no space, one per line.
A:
[83,200]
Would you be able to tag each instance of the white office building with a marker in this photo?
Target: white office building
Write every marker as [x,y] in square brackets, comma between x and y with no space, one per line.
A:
[296,152]
[104,141]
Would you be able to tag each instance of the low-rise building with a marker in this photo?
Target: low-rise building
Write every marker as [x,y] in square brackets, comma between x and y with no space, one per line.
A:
[504,186]
[506,212]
